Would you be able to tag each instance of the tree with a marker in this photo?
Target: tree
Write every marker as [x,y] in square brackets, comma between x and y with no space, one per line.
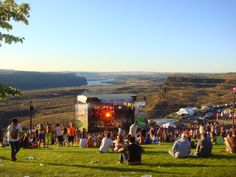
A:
[5,91]
[11,11]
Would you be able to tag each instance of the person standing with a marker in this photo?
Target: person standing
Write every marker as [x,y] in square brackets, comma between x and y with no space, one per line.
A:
[48,137]
[133,130]
[14,130]
[65,135]
[71,133]
[59,135]
[41,135]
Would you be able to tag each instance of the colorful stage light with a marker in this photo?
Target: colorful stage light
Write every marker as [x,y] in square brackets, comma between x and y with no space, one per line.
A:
[108,115]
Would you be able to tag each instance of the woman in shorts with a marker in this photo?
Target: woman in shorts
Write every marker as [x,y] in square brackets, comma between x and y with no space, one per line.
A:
[41,135]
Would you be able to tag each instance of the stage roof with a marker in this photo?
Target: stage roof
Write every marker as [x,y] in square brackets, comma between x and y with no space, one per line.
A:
[108,98]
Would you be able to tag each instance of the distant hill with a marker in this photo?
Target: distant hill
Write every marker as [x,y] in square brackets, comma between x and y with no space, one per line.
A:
[165,93]
[40,80]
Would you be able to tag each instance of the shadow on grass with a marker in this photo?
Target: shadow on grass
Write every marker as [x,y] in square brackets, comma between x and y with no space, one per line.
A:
[175,165]
[72,152]
[117,169]
[189,165]
[155,152]
[4,158]
[220,156]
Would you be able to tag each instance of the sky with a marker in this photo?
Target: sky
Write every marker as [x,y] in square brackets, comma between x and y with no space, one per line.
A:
[125,35]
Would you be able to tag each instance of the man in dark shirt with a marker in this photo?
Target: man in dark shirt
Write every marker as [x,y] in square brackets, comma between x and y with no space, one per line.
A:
[204,147]
[132,153]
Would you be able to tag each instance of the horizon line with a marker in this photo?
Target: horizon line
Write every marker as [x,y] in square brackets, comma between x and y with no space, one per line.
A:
[130,71]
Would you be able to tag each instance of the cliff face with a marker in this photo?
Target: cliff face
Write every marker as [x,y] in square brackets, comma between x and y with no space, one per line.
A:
[197,82]
[38,80]
[179,91]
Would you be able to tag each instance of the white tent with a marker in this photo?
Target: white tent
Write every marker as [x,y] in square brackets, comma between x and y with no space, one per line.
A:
[162,122]
[187,111]
[169,124]
[206,108]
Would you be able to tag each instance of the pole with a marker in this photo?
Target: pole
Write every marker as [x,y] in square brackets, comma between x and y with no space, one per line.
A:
[31,108]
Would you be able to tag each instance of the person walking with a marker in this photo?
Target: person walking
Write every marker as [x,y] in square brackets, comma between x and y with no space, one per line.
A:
[14,130]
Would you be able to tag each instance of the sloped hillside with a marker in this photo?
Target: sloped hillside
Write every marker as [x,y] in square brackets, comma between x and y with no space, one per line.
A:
[179,91]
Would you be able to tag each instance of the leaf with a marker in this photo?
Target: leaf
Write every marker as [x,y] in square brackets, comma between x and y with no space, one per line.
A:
[6,91]
[11,11]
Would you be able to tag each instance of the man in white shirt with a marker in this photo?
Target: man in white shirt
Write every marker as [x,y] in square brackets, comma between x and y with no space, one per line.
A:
[133,130]
[14,130]
[181,148]
[106,143]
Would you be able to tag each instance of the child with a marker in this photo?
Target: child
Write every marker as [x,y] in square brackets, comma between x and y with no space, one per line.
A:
[90,142]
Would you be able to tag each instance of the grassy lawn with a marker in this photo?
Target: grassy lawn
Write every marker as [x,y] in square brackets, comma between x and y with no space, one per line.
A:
[73,161]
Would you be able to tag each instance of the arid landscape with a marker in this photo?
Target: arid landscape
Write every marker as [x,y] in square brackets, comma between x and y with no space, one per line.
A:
[164,93]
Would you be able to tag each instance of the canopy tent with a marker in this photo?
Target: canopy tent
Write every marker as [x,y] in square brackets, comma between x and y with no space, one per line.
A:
[187,111]
[206,108]
[169,124]
[162,122]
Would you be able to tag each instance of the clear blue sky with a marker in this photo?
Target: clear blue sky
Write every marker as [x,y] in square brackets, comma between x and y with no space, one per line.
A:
[126,35]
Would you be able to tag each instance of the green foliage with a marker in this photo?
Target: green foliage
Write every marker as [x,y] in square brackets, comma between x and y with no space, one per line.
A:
[6,91]
[11,11]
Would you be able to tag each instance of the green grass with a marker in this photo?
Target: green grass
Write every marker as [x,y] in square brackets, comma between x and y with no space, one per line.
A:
[73,161]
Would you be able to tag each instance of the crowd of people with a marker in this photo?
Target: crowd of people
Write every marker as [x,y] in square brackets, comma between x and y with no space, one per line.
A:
[127,144]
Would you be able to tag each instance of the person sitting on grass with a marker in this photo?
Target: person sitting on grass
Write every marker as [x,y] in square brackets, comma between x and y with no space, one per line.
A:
[148,139]
[90,142]
[83,139]
[181,148]
[28,143]
[24,142]
[119,144]
[230,142]
[219,139]
[204,147]
[106,144]
[33,140]
[213,137]
[140,139]
[155,139]
[132,153]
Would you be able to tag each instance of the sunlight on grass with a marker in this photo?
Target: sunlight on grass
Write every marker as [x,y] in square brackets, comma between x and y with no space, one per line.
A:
[73,161]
